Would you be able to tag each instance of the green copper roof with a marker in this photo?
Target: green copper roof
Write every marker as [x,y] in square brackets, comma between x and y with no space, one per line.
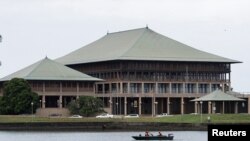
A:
[47,69]
[138,44]
[218,95]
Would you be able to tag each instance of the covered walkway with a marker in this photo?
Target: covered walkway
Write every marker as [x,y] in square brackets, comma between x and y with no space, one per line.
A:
[217,102]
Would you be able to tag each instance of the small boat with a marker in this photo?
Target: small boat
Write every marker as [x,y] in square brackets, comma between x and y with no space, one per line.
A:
[159,137]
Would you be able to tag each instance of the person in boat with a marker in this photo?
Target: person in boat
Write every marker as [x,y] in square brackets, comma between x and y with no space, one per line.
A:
[159,133]
[146,134]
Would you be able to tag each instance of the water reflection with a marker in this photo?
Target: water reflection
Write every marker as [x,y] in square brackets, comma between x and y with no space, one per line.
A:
[94,136]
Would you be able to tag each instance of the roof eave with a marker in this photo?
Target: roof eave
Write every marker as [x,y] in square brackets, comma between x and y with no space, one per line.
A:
[55,79]
[197,100]
[149,59]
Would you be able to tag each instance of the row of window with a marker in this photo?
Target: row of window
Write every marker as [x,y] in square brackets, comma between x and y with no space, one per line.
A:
[151,65]
[163,76]
[162,88]
[66,86]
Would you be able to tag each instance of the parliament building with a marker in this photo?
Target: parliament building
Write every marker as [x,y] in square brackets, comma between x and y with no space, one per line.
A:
[136,71]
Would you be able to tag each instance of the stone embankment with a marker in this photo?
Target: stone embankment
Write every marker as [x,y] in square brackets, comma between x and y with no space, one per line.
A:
[102,126]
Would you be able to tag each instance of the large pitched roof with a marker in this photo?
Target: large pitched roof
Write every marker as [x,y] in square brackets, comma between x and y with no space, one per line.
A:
[47,69]
[218,95]
[138,44]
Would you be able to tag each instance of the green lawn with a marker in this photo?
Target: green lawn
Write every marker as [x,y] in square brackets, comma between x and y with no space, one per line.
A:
[216,118]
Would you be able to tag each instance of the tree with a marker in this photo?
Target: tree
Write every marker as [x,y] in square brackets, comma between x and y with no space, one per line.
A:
[85,105]
[17,98]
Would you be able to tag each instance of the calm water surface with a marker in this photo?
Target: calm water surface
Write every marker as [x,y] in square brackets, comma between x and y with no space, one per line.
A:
[94,136]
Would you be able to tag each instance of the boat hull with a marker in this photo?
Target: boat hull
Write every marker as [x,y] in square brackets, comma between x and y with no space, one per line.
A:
[153,137]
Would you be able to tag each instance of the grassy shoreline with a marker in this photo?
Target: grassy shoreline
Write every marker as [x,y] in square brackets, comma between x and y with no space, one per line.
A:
[194,119]
[169,123]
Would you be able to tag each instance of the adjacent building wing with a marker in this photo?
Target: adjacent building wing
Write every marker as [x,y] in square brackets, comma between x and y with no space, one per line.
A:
[48,69]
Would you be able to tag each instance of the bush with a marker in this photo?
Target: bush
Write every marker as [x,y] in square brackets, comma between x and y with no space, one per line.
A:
[85,106]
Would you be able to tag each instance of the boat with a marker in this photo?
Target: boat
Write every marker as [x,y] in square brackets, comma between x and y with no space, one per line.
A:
[152,137]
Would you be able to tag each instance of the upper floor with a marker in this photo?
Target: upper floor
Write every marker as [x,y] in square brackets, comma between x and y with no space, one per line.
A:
[56,87]
[157,71]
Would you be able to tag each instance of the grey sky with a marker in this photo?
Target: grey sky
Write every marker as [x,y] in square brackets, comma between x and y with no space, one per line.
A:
[32,29]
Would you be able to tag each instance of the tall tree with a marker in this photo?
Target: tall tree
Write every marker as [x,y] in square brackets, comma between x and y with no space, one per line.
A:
[17,98]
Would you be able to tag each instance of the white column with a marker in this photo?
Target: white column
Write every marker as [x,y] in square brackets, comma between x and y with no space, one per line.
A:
[125,105]
[168,107]
[111,104]
[60,101]
[213,108]
[182,105]
[195,107]
[140,105]
[43,101]
[235,107]
[209,107]
[153,106]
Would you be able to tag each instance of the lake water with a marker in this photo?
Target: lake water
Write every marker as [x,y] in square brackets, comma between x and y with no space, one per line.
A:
[94,136]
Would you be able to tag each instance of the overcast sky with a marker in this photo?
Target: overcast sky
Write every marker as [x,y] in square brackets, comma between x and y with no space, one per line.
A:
[33,29]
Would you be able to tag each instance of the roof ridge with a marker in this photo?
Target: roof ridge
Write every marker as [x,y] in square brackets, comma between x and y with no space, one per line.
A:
[127,30]
[136,41]
[36,67]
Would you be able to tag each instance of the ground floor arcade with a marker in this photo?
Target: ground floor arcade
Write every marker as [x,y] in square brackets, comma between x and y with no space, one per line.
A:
[145,105]
[171,105]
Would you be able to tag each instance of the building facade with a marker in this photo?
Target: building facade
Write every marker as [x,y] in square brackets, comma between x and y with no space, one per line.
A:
[147,73]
